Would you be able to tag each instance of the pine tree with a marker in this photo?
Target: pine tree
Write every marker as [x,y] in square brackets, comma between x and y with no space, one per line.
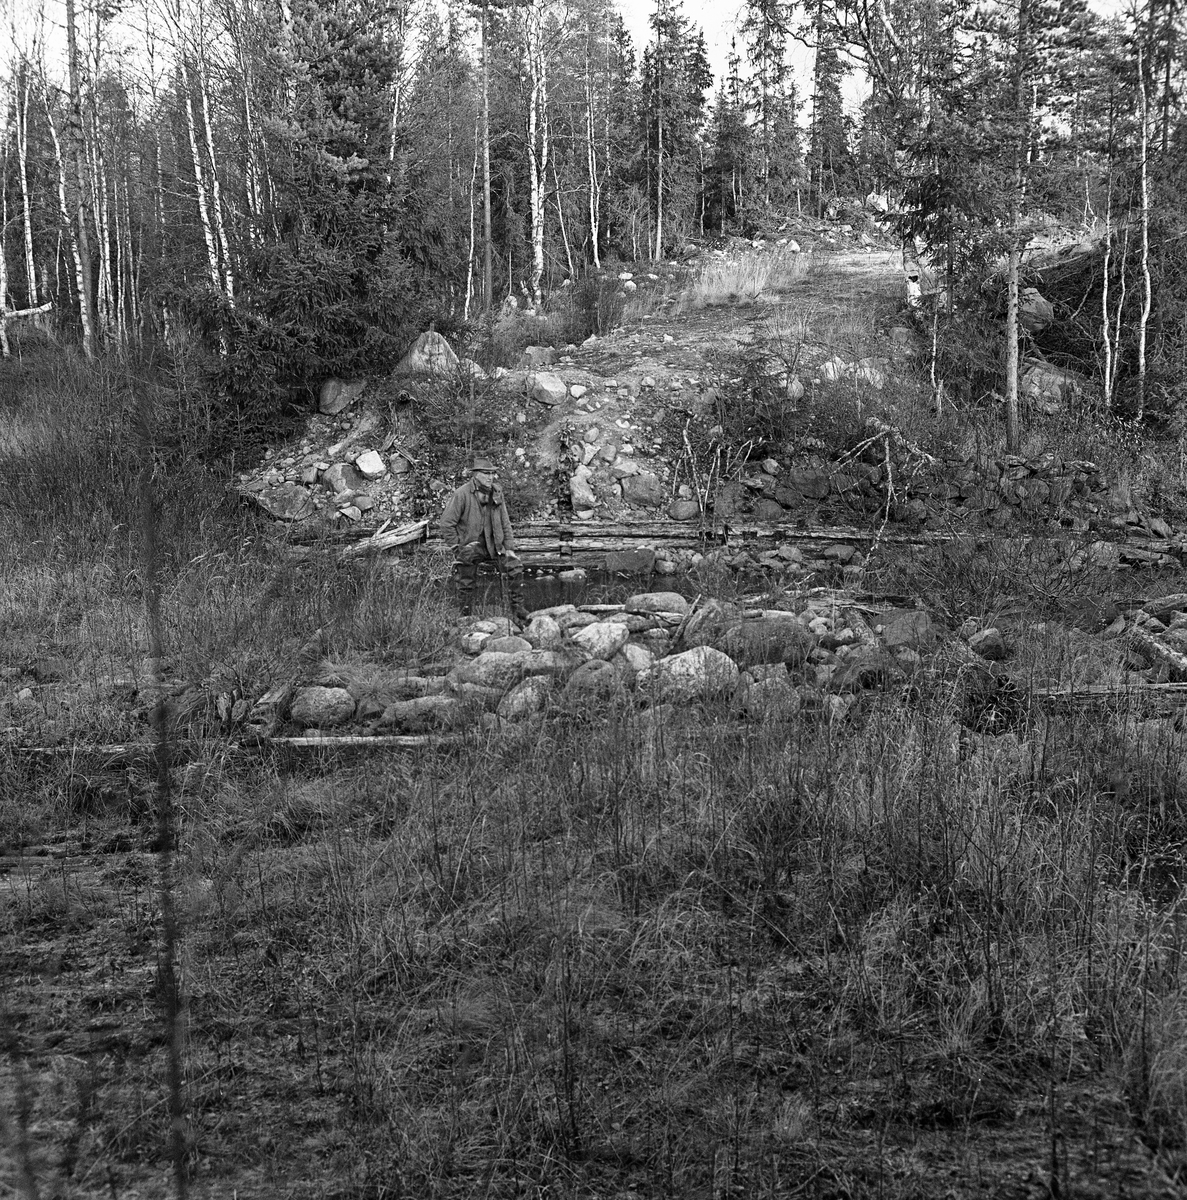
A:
[676,76]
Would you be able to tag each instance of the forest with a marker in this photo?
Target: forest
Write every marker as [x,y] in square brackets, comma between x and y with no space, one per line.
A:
[301,187]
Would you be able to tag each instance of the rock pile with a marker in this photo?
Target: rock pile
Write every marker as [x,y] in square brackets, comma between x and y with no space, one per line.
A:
[656,649]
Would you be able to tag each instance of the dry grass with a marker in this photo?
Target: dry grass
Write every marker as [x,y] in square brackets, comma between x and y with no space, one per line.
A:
[745,278]
[615,952]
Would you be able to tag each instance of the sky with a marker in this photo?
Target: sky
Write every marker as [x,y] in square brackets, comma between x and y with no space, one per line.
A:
[719,21]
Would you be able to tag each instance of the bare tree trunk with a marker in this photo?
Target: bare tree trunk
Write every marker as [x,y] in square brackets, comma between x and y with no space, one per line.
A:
[86,297]
[80,268]
[22,149]
[216,194]
[658,251]
[1122,291]
[5,349]
[99,206]
[1147,291]
[199,177]
[538,143]
[252,184]
[560,218]
[1104,298]
[1017,199]
[488,267]
[473,231]
[591,165]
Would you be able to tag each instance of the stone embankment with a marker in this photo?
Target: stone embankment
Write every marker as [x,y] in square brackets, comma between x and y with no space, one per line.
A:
[815,657]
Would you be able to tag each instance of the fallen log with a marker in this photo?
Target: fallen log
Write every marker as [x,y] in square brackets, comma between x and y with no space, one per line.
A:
[133,750]
[379,741]
[389,540]
[1158,654]
[1163,697]
[13,314]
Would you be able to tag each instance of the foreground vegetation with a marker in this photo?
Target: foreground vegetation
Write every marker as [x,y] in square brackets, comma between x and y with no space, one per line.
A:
[600,954]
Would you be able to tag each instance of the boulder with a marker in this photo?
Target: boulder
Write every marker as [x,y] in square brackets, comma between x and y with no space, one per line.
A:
[870,372]
[696,674]
[594,680]
[635,658]
[322,707]
[491,670]
[370,464]
[430,355]
[709,622]
[909,627]
[527,697]
[657,602]
[510,644]
[988,644]
[337,395]
[644,489]
[768,510]
[549,389]
[342,477]
[684,510]
[767,640]
[1035,311]
[570,621]
[287,502]
[581,491]
[557,663]
[534,357]
[542,633]
[873,668]
[422,713]
[602,640]
[730,499]
[1042,382]
[771,698]
[811,484]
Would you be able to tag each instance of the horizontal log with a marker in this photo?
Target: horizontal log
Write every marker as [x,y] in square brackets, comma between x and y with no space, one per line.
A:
[387,540]
[13,314]
[1158,653]
[392,741]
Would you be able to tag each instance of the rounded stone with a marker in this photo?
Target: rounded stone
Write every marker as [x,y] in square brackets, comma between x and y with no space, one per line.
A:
[322,707]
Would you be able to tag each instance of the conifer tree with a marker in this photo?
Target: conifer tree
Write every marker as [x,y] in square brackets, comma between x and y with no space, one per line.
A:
[676,76]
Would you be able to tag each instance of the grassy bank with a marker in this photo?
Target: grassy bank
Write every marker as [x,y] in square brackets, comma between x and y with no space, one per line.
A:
[620,952]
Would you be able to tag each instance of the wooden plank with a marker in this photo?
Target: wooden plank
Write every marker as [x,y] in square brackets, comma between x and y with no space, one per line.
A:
[391,741]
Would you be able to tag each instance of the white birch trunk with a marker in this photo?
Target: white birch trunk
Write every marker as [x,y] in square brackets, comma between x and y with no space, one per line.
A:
[88,340]
[1104,301]
[199,178]
[537,145]
[591,164]
[216,195]
[1147,289]
[22,145]
[86,298]
[473,226]
[5,349]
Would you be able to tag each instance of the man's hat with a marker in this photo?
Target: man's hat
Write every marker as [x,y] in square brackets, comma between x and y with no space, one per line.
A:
[483,464]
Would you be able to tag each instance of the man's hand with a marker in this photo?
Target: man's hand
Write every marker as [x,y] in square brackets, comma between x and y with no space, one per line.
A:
[471,552]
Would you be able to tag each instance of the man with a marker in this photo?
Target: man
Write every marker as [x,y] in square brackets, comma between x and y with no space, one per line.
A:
[478,527]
